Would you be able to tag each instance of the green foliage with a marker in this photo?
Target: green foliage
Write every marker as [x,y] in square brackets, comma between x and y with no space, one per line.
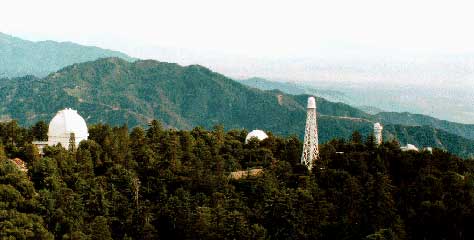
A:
[40,131]
[20,213]
[409,119]
[170,184]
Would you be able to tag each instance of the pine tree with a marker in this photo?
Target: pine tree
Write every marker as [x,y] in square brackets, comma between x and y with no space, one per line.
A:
[3,155]
[72,142]
[356,137]
[40,131]
[100,229]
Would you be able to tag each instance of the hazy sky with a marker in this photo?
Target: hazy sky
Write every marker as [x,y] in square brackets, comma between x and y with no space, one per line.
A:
[251,28]
[357,41]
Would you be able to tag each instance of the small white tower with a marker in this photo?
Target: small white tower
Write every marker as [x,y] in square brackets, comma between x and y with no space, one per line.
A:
[378,133]
[310,144]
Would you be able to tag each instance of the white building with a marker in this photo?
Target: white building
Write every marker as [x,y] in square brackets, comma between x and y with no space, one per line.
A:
[428,149]
[409,147]
[258,134]
[66,124]
[63,125]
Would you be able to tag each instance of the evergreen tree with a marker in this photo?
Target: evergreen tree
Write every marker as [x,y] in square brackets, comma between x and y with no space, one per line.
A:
[356,137]
[100,229]
[40,131]
[72,142]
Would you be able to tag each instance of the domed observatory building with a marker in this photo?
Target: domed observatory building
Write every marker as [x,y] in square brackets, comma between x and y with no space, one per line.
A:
[258,134]
[65,127]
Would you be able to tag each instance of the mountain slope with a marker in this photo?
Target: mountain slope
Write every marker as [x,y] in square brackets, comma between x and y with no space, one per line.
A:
[112,90]
[116,91]
[409,119]
[424,136]
[294,89]
[20,57]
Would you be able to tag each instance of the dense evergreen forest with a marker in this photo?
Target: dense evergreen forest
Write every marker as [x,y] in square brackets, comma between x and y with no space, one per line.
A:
[158,183]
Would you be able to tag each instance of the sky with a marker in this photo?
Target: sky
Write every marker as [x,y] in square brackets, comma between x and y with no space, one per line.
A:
[399,44]
[248,28]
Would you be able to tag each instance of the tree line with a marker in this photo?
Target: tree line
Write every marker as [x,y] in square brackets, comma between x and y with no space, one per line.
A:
[158,183]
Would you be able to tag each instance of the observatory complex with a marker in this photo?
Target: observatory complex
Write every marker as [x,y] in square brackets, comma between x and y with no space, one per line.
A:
[67,125]
[310,144]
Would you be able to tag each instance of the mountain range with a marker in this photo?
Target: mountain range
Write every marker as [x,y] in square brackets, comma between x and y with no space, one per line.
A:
[20,57]
[403,118]
[116,91]
[295,89]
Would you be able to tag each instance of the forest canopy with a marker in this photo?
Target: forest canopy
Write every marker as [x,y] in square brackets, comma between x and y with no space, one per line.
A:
[158,183]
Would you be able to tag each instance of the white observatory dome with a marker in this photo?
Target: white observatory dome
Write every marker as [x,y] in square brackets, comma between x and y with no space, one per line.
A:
[409,147]
[259,134]
[65,122]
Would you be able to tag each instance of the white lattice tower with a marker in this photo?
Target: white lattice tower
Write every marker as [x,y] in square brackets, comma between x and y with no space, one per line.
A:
[378,133]
[310,145]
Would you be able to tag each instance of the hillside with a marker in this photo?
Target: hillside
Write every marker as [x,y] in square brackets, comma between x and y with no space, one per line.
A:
[410,119]
[294,89]
[20,57]
[115,91]
[404,118]
[425,136]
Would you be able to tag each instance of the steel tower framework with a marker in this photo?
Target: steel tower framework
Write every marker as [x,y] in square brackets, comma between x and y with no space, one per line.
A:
[378,133]
[310,145]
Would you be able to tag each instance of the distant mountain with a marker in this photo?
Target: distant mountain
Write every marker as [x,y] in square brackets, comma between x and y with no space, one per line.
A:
[409,119]
[425,136]
[370,109]
[20,57]
[116,91]
[405,118]
[112,90]
[294,88]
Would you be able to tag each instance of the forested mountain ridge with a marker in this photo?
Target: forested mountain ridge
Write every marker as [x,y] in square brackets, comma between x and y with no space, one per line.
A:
[294,89]
[427,136]
[20,57]
[403,118]
[117,92]
[410,119]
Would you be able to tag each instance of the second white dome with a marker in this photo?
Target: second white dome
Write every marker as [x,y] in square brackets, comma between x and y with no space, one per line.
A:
[259,134]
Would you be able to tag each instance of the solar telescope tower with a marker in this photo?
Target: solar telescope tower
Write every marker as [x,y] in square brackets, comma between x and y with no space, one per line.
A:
[378,133]
[310,145]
